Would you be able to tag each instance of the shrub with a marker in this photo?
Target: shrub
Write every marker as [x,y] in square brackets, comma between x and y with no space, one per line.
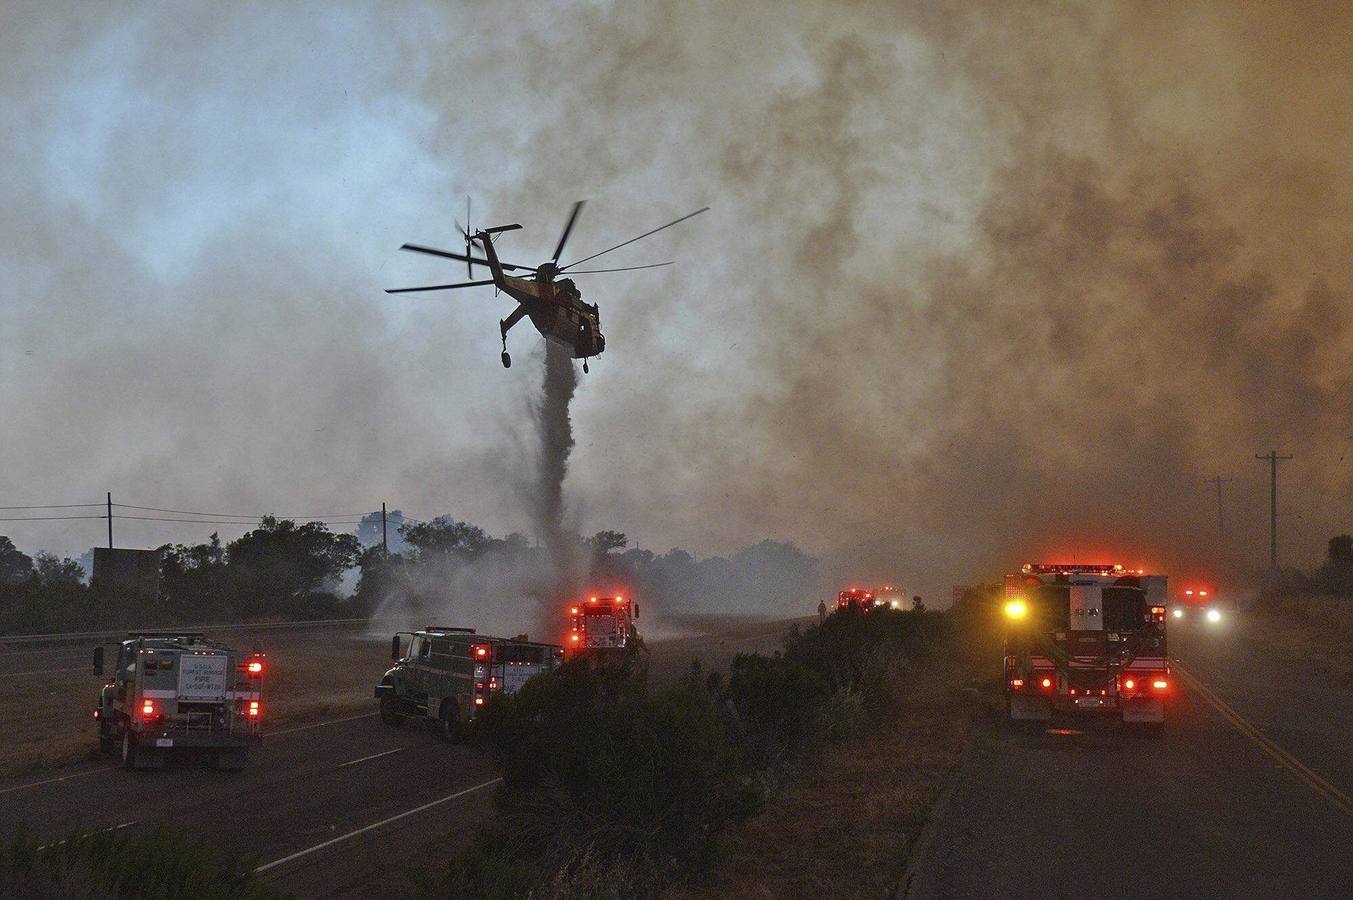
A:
[160,865]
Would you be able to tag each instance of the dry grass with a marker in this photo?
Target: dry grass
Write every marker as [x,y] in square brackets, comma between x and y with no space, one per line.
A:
[1317,629]
[49,718]
[845,826]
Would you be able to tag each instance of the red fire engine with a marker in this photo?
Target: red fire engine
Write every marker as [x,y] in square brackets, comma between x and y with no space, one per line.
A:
[601,628]
[1086,638]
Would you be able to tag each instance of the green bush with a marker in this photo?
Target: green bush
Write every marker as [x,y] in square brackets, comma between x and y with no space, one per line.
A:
[160,865]
[597,771]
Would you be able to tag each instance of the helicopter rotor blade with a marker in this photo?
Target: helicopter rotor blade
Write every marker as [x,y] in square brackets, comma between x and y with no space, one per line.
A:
[632,240]
[622,269]
[469,272]
[437,287]
[463,257]
[568,229]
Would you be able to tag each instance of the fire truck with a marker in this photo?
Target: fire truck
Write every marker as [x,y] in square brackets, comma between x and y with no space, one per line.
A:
[180,693]
[855,598]
[450,674]
[603,629]
[1086,638]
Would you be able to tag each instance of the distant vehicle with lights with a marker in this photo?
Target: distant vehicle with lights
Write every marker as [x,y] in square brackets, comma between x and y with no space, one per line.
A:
[1086,638]
[857,599]
[450,674]
[174,693]
[1198,602]
[603,629]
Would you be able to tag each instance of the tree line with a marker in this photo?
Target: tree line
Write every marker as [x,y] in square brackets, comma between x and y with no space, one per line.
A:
[288,570]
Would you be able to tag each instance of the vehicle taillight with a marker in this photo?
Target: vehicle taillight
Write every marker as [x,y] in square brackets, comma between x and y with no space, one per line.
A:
[1017,682]
[478,701]
[255,667]
[253,709]
[574,637]
[481,651]
[1160,684]
[1047,682]
[1130,684]
[148,709]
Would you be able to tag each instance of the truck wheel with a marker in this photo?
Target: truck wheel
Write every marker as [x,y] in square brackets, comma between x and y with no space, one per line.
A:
[107,743]
[448,722]
[390,713]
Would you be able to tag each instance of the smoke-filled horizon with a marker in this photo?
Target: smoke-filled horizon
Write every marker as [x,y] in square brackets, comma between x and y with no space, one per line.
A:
[981,282]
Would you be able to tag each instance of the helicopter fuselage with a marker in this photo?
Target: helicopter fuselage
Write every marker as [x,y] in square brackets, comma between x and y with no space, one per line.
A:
[555,308]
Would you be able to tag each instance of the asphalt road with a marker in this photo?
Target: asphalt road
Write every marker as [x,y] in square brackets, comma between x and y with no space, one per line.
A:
[345,808]
[1247,793]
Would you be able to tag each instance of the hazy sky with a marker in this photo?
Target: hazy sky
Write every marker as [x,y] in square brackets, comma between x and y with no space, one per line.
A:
[981,282]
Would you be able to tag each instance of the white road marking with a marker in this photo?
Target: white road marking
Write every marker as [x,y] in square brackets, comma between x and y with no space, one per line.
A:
[33,784]
[100,831]
[365,758]
[319,724]
[374,825]
[45,672]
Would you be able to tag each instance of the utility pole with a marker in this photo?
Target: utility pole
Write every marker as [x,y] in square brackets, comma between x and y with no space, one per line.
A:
[385,540]
[1273,460]
[1221,523]
[110,520]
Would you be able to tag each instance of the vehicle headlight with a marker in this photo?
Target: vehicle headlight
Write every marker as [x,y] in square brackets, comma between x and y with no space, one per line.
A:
[1213,615]
[1016,609]
[1179,614]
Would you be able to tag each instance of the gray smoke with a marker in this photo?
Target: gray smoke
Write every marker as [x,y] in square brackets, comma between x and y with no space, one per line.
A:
[554,431]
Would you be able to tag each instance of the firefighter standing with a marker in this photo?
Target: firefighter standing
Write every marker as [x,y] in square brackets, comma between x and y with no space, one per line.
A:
[822,610]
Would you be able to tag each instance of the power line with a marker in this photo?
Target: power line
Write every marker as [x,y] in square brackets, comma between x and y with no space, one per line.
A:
[254,516]
[54,506]
[47,518]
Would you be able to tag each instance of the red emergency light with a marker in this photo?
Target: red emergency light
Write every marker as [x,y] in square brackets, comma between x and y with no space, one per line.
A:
[148,709]
[255,667]
[253,709]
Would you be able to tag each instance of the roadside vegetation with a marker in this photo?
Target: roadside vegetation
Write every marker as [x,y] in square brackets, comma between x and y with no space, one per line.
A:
[109,865]
[1309,615]
[611,789]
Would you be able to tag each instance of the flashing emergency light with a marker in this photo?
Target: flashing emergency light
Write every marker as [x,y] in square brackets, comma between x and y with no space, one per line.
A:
[1016,609]
[1213,615]
[148,709]
[255,667]
[253,709]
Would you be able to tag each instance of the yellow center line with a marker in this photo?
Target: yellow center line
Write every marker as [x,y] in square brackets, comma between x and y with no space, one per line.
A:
[1312,779]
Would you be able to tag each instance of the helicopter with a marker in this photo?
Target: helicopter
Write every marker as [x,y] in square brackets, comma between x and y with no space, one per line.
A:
[554,305]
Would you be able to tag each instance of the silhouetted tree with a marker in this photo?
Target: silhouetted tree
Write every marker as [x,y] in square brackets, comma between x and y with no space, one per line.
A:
[15,565]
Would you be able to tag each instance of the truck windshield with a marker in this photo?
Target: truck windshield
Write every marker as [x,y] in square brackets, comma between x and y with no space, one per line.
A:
[1051,606]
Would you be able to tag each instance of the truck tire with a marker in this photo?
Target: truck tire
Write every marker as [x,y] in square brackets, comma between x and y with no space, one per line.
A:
[390,713]
[107,743]
[448,722]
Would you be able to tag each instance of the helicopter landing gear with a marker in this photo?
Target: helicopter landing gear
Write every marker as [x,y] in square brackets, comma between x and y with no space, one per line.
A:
[502,330]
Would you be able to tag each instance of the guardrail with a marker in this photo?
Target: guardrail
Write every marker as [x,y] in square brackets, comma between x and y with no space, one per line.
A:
[112,633]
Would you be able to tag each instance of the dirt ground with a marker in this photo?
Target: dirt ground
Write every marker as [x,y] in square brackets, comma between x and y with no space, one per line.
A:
[846,826]
[1316,629]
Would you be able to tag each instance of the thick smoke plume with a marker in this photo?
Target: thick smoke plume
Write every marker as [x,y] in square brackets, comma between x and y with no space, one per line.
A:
[982,280]
[554,431]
